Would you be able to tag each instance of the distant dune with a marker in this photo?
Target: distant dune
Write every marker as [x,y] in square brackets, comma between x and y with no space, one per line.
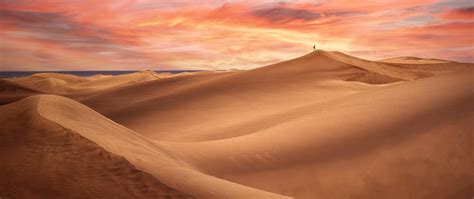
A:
[65,83]
[11,91]
[429,65]
[415,60]
[324,125]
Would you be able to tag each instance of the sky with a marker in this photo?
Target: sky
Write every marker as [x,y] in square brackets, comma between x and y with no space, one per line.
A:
[211,34]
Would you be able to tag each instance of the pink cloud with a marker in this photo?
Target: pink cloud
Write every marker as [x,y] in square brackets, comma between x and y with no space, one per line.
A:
[466,13]
[140,34]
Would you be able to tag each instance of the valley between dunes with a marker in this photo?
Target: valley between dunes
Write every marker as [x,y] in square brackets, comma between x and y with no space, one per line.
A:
[324,125]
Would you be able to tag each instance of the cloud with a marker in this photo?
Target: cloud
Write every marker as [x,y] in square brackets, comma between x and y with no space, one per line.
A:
[60,28]
[57,34]
[466,13]
[138,34]
[54,27]
[278,14]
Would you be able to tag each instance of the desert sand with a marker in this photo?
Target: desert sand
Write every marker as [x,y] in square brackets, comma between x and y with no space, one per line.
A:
[324,125]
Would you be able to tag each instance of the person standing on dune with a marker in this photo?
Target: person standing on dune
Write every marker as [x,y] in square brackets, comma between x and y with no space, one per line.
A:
[314,47]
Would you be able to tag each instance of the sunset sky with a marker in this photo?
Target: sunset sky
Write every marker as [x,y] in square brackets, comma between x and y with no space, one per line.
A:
[207,34]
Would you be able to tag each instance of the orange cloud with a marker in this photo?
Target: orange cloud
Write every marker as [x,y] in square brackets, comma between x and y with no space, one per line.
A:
[141,34]
[466,13]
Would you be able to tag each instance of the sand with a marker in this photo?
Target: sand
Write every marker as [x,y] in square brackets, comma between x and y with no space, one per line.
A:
[324,125]
[415,60]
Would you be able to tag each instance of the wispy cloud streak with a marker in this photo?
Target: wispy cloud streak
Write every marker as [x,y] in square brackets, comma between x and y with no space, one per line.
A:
[141,34]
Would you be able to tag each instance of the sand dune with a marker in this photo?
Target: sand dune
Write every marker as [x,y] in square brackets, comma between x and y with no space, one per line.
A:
[11,91]
[43,159]
[8,87]
[67,84]
[404,145]
[324,125]
[377,67]
[93,153]
[264,91]
[415,60]
[428,65]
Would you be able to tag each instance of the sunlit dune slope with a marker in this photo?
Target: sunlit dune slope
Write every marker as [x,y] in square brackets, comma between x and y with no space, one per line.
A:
[414,60]
[42,159]
[158,109]
[412,140]
[109,82]
[55,147]
[429,65]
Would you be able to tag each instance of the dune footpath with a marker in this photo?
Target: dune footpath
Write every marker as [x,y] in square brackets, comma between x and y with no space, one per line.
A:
[324,125]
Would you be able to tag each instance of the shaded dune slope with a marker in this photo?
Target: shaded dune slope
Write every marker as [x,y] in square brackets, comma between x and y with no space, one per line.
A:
[7,87]
[55,83]
[11,91]
[71,151]
[388,72]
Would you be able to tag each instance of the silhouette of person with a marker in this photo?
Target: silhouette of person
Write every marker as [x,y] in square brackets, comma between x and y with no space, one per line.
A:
[314,47]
